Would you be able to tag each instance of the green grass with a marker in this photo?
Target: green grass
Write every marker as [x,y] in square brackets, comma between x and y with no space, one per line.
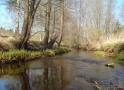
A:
[48,52]
[61,50]
[99,53]
[119,56]
[18,55]
[12,55]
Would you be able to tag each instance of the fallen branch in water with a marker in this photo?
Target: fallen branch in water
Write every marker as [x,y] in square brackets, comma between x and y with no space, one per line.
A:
[93,83]
[97,86]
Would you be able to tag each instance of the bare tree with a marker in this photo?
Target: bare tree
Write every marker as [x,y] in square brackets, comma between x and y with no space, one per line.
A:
[109,16]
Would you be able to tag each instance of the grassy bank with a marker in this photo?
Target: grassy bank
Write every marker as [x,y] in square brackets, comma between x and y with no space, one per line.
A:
[119,56]
[99,53]
[115,50]
[12,56]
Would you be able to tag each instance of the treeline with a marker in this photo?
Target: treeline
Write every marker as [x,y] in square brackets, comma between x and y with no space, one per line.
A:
[6,32]
[69,22]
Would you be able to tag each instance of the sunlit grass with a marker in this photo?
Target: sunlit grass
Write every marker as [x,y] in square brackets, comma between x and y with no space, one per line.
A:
[99,53]
[62,50]
[18,55]
[113,38]
[119,56]
[109,41]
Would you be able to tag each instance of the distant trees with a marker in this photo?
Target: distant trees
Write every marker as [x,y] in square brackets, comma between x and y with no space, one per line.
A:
[121,12]
[117,27]
[6,32]
[90,17]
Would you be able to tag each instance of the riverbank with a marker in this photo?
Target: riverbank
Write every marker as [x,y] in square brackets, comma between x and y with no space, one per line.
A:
[114,50]
[18,56]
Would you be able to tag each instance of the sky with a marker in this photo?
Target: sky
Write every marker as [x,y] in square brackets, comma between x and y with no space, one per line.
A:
[5,18]
[118,6]
[7,22]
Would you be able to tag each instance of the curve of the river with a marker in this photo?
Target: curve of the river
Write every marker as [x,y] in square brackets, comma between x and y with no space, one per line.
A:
[76,70]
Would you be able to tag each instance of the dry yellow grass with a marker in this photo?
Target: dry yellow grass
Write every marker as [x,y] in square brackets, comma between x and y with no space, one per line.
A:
[108,39]
[7,43]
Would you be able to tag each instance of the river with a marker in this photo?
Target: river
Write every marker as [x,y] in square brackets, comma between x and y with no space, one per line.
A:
[76,70]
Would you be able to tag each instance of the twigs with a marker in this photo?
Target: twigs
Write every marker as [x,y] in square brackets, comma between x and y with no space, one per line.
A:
[93,83]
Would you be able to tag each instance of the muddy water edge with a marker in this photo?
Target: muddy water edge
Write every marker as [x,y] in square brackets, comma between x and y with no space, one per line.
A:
[76,70]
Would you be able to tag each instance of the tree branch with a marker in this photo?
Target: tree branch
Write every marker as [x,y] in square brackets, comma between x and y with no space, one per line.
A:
[35,33]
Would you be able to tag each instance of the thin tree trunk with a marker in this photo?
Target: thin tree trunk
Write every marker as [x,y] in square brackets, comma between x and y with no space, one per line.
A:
[61,22]
[54,36]
[17,18]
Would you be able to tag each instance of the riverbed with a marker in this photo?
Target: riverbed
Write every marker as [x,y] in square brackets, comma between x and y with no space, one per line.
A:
[76,70]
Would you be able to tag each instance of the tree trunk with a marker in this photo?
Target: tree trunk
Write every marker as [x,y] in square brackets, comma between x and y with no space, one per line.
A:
[59,40]
[17,18]
[47,24]
[22,42]
[53,36]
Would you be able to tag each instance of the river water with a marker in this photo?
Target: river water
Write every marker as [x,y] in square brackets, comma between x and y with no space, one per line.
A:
[76,70]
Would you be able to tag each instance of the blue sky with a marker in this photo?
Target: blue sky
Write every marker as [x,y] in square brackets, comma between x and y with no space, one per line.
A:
[6,18]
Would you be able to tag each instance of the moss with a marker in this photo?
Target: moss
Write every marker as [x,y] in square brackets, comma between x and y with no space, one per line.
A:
[119,56]
[99,53]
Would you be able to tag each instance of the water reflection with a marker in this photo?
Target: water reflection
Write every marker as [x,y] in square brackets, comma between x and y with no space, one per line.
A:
[46,79]
[41,75]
